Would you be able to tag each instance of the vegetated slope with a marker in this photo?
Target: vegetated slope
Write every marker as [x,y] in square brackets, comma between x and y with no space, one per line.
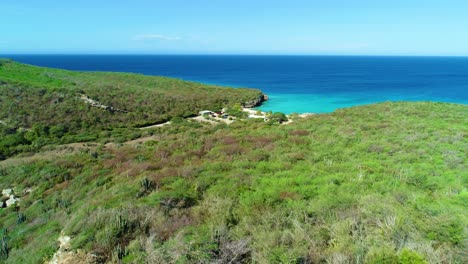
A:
[51,103]
[384,183]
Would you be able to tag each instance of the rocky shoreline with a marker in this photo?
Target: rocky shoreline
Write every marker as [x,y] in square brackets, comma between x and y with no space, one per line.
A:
[256,102]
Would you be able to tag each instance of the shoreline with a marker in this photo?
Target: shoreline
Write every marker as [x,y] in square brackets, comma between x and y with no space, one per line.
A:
[250,108]
[256,113]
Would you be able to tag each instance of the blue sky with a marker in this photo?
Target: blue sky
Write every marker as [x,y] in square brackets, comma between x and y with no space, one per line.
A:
[324,27]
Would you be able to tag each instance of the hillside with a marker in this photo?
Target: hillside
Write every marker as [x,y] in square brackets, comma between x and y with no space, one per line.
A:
[383,183]
[64,106]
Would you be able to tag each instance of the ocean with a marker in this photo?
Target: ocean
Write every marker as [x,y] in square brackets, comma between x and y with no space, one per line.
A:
[301,84]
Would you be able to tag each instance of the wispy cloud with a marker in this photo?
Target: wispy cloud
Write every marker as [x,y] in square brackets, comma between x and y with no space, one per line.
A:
[156,37]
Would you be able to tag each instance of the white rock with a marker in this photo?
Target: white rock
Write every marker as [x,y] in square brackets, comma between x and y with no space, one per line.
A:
[61,253]
[7,192]
[12,201]
[64,242]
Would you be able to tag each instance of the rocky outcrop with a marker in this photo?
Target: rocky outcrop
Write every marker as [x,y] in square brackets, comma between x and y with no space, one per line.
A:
[7,192]
[12,201]
[64,246]
[65,254]
[256,102]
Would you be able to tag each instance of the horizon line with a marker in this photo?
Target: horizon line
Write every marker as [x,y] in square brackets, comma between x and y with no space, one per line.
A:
[227,54]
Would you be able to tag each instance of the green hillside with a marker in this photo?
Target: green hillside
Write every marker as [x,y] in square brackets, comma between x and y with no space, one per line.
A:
[383,183]
[49,102]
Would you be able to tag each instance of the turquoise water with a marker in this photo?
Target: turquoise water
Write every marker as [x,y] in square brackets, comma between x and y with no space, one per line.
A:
[302,84]
[300,103]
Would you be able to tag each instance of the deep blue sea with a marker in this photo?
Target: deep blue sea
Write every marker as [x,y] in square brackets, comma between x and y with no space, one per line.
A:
[295,83]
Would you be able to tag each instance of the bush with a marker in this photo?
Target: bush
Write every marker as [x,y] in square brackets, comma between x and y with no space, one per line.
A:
[278,117]
[410,257]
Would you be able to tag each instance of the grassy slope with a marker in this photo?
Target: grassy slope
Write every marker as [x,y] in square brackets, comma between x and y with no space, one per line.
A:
[46,101]
[384,183]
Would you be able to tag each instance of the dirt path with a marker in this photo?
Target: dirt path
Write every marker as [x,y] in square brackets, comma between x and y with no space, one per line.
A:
[202,119]
[158,125]
[214,122]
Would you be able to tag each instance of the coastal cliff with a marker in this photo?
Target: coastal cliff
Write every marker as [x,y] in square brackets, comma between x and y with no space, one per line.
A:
[256,102]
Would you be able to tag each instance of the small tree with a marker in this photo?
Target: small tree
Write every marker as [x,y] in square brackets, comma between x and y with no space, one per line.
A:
[278,117]
[236,111]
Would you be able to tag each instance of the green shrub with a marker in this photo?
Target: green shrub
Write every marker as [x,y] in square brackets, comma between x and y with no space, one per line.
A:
[410,257]
[278,117]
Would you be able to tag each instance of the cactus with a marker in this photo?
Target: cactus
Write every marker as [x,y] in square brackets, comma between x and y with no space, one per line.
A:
[20,218]
[147,185]
[121,252]
[94,155]
[121,224]
[62,203]
[4,244]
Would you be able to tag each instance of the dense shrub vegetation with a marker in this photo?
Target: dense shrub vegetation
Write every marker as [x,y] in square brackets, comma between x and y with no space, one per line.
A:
[384,183]
[46,102]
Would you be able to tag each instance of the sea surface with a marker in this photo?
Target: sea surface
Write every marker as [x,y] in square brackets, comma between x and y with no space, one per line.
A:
[301,84]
